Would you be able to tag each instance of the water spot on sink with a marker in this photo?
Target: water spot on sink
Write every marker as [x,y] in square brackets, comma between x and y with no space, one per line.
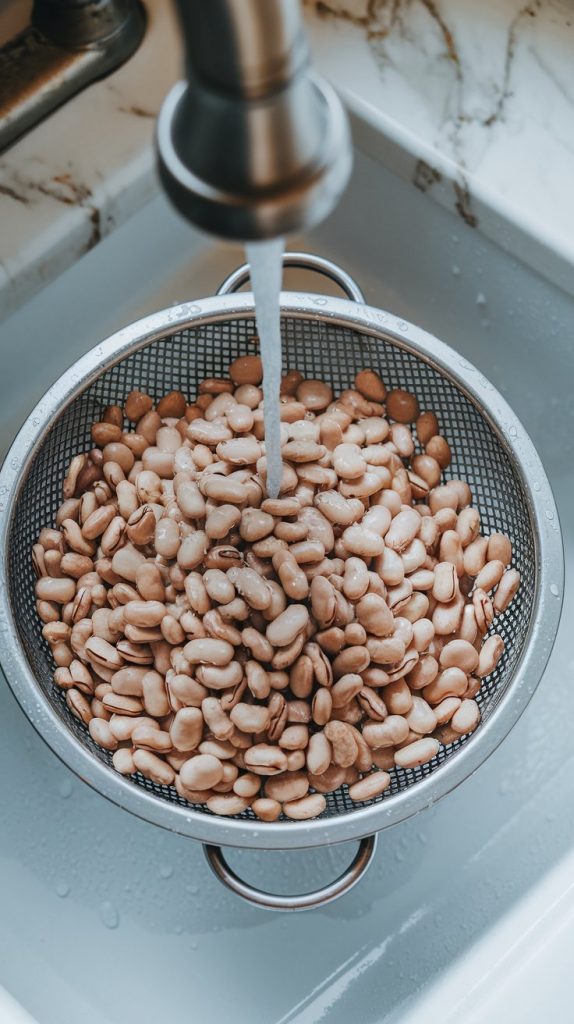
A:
[481,299]
[512,431]
[109,915]
[549,514]
[536,485]
[62,890]
[554,589]
[65,789]
[166,871]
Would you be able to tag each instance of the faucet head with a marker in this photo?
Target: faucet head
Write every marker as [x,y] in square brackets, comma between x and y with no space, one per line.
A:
[253,145]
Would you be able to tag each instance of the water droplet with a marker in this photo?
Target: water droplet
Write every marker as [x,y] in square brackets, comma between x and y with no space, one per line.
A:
[512,431]
[178,929]
[402,326]
[14,463]
[109,915]
[193,888]
[481,299]
[555,590]
[455,270]
[549,514]
[194,309]
[62,890]
[194,943]
[35,421]
[536,485]
[65,788]
[166,871]
[320,301]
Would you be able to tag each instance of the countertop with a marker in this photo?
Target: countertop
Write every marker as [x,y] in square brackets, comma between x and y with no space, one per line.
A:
[472,103]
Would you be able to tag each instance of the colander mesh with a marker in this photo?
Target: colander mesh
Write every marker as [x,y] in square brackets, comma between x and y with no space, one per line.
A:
[319,349]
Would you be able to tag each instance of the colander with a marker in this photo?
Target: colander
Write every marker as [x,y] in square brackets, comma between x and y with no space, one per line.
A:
[325,337]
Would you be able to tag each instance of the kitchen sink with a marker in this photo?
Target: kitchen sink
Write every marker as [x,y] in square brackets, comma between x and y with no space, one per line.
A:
[108,919]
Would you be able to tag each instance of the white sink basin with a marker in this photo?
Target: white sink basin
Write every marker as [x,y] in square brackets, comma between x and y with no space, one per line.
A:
[107,919]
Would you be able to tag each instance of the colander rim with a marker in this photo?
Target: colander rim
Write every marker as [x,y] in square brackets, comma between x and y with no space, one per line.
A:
[363,820]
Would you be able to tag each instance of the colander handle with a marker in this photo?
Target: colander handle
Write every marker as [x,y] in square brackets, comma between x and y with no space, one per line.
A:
[305,901]
[301,261]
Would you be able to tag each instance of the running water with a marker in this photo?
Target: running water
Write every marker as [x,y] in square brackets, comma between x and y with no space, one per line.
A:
[266,262]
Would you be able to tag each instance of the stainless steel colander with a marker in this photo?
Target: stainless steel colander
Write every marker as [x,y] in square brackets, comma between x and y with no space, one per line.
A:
[324,337]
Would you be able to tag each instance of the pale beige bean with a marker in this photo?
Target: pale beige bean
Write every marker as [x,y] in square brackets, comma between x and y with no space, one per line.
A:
[287,787]
[144,613]
[322,706]
[208,651]
[192,550]
[446,618]
[56,591]
[421,718]
[468,628]
[251,586]
[167,538]
[466,718]
[79,705]
[459,654]
[445,710]
[359,540]
[129,681]
[123,761]
[355,579]
[370,786]
[265,809]
[445,587]
[118,704]
[474,558]
[123,726]
[490,575]
[452,682]
[346,689]
[287,625]
[247,785]
[390,567]
[201,772]
[250,717]
[307,807]
[292,578]
[337,509]
[417,753]
[423,633]
[186,729]
[343,742]
[265,759]
[153,767]
[294,737]
[390,733]
[499,548]
[148,738]
[319,753]
[154,693]
[490,655]
[403,529]
[506,590]
[216,719]
[220,678]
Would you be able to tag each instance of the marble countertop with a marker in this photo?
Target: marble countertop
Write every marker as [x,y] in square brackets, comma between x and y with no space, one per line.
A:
[472,102]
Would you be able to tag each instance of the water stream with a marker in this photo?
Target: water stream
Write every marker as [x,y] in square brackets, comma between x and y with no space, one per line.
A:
[266,262]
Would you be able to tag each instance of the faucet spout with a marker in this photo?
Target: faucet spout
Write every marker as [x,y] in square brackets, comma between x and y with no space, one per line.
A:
[251,144]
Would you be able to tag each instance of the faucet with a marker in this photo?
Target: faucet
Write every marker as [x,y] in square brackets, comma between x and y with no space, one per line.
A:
[252,144]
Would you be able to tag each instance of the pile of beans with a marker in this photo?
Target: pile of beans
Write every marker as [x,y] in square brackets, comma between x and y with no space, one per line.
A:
[257,652]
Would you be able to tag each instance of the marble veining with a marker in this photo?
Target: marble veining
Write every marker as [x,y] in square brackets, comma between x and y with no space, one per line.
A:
[470,100]
[488,87]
